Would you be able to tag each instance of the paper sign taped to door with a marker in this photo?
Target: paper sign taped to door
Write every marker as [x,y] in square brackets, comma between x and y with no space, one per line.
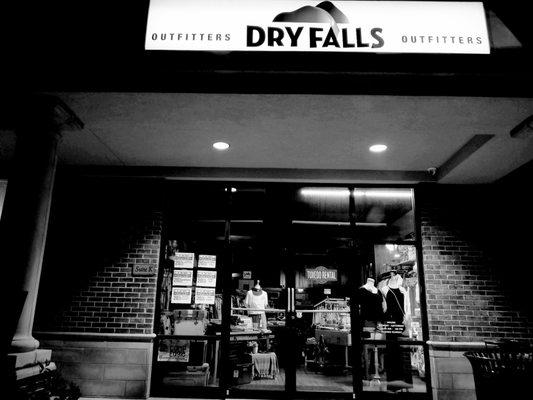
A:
[181,295]
[206,278]
[174,350]
[204,296]
[207,261]
[182,277]
[391,327]
[183,260]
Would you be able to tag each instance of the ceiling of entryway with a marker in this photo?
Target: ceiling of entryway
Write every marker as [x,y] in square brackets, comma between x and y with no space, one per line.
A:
[330,132]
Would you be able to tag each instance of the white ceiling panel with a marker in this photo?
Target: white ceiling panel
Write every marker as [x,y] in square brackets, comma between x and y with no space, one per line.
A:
[297,131]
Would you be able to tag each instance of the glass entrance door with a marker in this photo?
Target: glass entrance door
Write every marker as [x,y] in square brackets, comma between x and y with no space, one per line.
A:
[258,356]
[323,264]
[190,298]
[355,293]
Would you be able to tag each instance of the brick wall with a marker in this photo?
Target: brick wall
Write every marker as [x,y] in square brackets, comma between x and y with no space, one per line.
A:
[98,232]
[114,301]
[472,248]
[466,272]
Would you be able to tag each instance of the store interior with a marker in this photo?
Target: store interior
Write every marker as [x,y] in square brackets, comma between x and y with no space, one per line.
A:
[311,270]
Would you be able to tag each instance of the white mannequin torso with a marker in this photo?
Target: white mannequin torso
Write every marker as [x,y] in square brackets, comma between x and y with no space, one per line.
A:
[256,301]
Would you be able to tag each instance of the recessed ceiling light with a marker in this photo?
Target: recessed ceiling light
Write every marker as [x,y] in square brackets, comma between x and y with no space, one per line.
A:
[377,148]
[221,145]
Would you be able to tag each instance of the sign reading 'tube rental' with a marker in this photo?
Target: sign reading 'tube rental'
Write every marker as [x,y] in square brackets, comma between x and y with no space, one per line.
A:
[317,26]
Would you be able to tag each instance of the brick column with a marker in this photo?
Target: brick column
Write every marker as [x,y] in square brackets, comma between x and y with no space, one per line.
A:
[24,222]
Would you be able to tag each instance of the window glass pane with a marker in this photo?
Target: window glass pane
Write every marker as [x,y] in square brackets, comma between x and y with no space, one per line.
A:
[323,262]
[320,221]
[395,275]
[384,214]
[190,295]
[258,305]
[389,295]
[327,204]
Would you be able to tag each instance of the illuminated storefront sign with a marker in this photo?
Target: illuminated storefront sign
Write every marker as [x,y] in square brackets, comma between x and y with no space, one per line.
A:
[314,26]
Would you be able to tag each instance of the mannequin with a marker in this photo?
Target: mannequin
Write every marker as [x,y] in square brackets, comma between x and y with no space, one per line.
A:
[257,298]
[394,292]
[370,302]
[369,285]
[397,358]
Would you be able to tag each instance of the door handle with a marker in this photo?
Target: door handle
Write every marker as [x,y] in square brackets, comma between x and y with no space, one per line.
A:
[290,299]
[293,307]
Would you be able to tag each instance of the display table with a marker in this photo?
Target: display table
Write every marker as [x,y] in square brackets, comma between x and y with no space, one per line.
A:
[338,338]
[334,336]
[265,365]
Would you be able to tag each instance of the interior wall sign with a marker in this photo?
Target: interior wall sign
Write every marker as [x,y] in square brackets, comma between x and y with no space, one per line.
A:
[321,274]
[317,26]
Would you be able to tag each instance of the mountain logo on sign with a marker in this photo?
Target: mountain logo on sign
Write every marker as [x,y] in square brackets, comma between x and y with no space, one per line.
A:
[325,12]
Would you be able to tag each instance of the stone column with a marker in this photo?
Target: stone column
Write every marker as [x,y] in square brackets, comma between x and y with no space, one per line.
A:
[24,222]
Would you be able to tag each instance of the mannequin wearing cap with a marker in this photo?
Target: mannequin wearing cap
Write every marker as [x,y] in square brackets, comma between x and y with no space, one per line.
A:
[257,298]
[394,293]
[370,302]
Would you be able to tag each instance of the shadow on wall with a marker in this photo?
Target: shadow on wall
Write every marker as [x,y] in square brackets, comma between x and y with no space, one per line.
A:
[496,223]
[93,225]
[512,233]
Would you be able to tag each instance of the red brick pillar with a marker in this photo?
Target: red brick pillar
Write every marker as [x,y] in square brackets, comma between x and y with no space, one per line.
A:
[24,222]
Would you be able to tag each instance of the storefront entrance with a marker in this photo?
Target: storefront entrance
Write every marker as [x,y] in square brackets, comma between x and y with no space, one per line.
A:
[271,290]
